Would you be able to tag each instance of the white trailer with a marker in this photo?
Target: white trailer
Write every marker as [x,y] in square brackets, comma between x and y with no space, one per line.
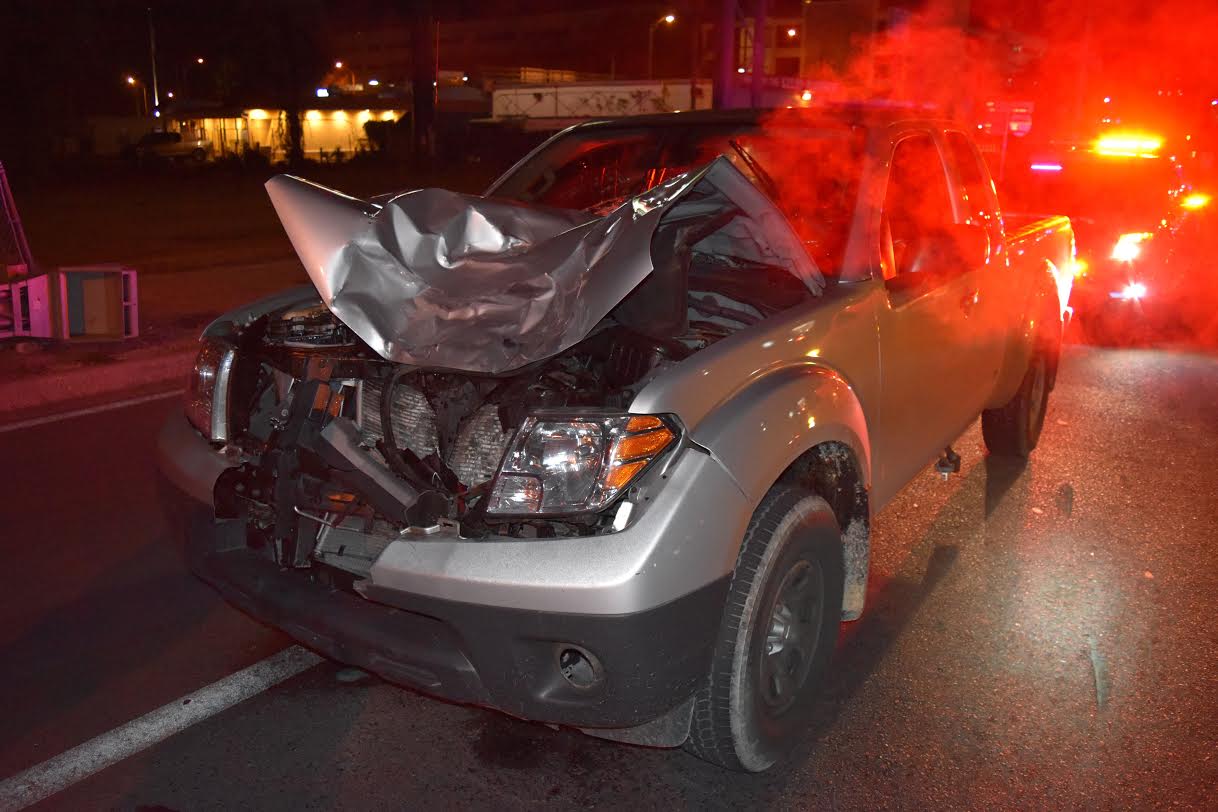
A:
[554,105]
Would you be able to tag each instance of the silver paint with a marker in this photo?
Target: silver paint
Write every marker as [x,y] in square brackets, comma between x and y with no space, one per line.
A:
[854,366]
[686,537]
[188,461]
[439,279]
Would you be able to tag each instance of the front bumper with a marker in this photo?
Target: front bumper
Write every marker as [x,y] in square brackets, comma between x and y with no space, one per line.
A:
[649,660]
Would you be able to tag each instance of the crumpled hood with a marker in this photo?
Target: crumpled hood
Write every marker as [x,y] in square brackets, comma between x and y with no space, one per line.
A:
[440,279]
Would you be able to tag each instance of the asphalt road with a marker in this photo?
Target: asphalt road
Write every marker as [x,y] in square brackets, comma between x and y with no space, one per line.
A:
[1036,637]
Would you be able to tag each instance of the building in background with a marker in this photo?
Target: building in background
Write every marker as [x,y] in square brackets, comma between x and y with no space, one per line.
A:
[332,132]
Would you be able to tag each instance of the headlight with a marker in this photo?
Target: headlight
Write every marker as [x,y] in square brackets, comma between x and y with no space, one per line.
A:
[576,463]
[1196,201]
[1134,290]
[207,393]
[1129,246]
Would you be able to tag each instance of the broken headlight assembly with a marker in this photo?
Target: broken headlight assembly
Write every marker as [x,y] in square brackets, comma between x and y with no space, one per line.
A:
[560,464]
[207,392]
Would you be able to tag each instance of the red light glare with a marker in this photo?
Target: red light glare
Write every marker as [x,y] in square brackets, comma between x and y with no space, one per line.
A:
[1129,246]
[1129,145]
[1132,291]
[1196,201]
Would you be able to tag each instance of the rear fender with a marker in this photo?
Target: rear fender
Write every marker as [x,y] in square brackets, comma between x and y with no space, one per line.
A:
[1040,325]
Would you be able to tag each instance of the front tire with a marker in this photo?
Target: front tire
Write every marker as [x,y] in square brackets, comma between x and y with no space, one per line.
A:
[778,632]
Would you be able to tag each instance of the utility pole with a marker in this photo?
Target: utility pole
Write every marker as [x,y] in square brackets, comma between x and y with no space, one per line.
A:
[156,95]
[695,50]
[726,75]
[759,11]
[425,34]
[667,19]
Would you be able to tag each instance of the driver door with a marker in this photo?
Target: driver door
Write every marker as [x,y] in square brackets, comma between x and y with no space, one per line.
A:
[932,367]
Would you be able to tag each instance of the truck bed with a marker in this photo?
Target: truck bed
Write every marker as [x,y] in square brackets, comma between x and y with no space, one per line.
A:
[1051,238]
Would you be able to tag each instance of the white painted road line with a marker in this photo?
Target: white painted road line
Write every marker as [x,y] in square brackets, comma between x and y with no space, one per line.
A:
[53,775]
[105,407]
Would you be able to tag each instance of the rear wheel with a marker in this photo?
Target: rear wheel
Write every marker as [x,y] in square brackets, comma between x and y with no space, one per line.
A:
[778,632]
[1014,429]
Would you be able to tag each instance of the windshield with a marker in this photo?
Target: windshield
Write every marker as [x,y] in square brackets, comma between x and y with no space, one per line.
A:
[810,174]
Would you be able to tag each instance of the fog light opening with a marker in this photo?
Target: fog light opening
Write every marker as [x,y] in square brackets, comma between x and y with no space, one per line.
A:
[579,667]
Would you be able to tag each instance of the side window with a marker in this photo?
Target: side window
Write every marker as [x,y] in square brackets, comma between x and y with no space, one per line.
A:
[978,189]
[917,203]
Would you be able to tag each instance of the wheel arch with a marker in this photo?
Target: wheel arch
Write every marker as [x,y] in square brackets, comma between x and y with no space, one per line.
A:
[1043,314]
[831,470]
[802,425]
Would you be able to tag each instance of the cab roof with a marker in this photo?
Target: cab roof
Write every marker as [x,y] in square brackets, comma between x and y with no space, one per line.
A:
[866,114]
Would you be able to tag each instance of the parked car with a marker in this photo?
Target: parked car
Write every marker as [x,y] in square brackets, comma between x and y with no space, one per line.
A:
[172,146]
[602,447]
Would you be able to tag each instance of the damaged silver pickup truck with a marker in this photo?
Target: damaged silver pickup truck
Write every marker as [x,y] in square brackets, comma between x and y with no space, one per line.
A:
[601,448]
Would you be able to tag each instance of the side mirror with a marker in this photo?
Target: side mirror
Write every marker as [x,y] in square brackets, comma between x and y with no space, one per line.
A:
[951,250]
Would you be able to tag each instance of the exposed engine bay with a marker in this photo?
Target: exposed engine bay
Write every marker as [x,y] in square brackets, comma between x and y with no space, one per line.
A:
[335,436]
[442,432]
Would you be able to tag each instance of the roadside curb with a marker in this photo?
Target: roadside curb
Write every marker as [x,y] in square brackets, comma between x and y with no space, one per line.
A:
[39,393]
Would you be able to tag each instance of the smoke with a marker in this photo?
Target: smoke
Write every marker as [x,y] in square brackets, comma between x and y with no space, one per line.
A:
[1079,68]
[929,57]
[1153,62]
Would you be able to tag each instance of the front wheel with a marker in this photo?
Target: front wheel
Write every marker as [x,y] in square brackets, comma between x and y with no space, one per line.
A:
[778,632]
[1013,430]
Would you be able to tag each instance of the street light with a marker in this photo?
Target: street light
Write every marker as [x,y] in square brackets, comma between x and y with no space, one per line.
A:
[338,65]
[791,32]
[132,82]
[667,19]
[199,61]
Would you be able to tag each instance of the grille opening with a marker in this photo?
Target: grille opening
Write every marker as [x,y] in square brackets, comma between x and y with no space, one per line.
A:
[473,455]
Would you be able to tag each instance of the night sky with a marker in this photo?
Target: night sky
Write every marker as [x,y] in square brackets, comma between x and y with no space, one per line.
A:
[64,60]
